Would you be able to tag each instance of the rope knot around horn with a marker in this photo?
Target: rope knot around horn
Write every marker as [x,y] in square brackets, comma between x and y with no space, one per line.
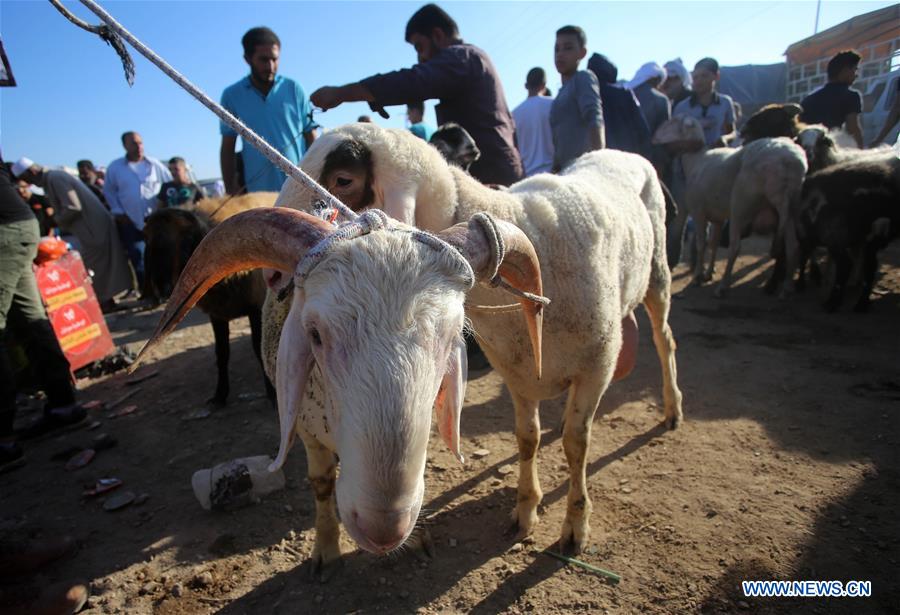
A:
[496,245]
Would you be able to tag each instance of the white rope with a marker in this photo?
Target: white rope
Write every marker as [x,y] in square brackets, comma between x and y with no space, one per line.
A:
[276,157]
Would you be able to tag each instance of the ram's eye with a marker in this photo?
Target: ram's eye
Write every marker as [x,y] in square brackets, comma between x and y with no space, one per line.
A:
[315,337]
[343,182]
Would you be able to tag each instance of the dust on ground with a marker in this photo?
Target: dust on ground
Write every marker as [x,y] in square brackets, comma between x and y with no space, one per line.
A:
[786,468]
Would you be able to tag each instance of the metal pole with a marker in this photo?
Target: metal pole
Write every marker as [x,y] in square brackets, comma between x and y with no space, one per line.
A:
[277,158]
[818,10]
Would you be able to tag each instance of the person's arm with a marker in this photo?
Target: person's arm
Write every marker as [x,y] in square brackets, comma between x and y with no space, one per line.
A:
[852,122]
[727,127]
[161,201]
[306,113]
[228,163]
[68,206]
[854,128]
[329,97]
[889,122]
[435,78]
[111,194]
[587,93]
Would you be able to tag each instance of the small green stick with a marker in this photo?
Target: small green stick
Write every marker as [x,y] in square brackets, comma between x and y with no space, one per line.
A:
[571,560]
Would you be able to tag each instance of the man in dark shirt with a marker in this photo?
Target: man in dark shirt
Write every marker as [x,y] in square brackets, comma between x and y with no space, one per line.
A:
[462,76]
[88,174]
[835,104]
[181,190]
[625,126]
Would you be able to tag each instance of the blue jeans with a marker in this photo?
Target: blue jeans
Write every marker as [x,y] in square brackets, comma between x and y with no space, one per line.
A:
[133,241]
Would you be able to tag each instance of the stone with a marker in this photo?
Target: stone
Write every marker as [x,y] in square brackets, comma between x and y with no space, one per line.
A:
[480,453]
[177,590]
[204,579]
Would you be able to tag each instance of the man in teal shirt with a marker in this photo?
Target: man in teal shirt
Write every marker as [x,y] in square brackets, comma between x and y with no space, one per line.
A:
[274,107]
[415,112]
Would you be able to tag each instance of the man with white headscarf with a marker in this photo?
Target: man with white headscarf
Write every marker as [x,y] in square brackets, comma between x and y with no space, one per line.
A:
[654,104]
[677,85]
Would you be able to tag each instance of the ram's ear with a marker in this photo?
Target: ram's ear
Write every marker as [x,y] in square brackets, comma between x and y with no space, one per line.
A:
[449,401]
[295,362]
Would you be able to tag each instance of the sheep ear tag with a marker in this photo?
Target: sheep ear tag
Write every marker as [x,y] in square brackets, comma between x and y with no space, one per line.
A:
[449,401]
[295,361]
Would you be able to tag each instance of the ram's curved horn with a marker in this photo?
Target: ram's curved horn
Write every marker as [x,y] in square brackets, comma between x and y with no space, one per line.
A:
[265,237]
[793,109]
[484,241]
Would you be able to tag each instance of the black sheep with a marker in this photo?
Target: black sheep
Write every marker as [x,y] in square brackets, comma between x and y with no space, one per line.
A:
[853,210]
[171,236]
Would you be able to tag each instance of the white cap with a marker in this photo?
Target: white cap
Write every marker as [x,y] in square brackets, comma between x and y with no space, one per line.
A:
[645,73]
[22,165]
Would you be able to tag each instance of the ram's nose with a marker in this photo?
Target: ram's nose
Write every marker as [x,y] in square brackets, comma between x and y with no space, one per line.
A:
[385,530]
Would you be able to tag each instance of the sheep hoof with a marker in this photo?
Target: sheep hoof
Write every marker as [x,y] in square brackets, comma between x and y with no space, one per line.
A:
[673,422]
[421,544]
[521,526]
[322,567]
[569,542]
[217,401]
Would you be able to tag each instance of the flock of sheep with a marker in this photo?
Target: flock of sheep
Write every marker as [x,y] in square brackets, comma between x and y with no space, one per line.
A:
[822,195]
[361,328]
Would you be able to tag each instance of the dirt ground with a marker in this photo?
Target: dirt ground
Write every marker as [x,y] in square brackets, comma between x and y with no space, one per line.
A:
[786,468]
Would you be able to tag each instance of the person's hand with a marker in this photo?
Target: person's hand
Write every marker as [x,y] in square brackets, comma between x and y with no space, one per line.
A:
[326,98]
[122,219]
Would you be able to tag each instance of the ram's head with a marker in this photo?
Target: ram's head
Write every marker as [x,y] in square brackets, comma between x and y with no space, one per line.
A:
[379,308]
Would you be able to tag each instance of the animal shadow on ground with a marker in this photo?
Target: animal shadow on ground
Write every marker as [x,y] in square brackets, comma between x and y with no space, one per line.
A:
[823,387]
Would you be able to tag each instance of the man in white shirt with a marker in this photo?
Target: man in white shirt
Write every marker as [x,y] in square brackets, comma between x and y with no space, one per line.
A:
[132,184]
[534,138]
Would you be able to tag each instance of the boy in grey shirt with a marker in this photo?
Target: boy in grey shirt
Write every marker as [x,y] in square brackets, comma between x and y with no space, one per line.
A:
[576,116]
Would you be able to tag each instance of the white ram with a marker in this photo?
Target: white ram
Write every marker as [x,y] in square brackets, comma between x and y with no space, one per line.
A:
[598,230]
[375,315]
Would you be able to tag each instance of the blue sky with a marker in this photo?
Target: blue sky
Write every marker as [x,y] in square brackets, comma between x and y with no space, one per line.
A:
[72,100]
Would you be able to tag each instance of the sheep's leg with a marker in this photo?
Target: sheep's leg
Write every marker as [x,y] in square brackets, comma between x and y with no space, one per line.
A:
[528,435]
[734,246]
[675,236]
[869,268]
[714,236]
[791,251]
[842,264]
[255,318]
[322,464]
[700,239]
[658,302]
[223,352]
[582,403]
